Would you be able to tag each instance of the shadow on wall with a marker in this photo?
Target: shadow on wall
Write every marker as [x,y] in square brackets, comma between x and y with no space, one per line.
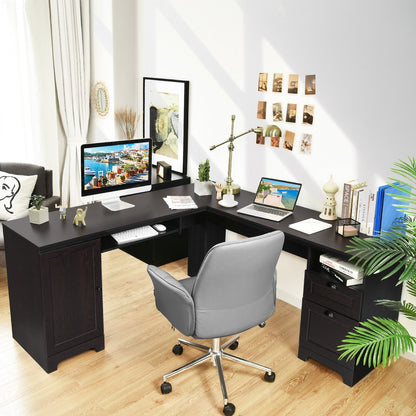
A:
[308,38]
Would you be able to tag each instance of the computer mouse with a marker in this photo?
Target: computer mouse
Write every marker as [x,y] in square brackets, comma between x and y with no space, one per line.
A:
[159,227]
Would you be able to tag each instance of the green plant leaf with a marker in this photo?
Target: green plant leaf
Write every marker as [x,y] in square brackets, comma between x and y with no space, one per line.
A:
[376,341]
[411,287]
[380,340]
[406,308]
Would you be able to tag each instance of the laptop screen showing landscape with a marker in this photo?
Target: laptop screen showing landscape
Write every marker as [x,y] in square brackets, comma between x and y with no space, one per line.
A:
[278,194]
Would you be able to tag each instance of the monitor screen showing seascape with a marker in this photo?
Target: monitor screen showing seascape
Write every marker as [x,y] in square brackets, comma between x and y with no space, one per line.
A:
[115,165]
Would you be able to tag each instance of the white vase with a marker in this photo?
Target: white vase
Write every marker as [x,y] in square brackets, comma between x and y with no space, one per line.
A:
[38,216]
[202,188]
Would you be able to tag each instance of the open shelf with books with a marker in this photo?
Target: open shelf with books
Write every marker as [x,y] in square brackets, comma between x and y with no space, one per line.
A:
[374,209]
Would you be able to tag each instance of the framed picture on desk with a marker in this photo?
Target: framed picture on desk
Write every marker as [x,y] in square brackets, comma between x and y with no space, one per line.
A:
[165,120]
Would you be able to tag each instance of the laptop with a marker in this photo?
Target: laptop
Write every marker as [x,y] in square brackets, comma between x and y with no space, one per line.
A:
[275,199]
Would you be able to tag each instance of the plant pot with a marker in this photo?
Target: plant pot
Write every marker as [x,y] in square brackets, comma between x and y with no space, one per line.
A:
[38,216]
[202,188]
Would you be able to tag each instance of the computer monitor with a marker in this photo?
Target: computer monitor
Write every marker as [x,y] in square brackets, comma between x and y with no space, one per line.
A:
[116,168]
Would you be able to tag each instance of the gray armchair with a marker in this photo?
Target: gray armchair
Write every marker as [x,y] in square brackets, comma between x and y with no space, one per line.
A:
[234,291]
[43,184]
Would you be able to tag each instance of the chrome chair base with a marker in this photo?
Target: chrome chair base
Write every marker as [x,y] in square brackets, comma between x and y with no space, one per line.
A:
[216,353]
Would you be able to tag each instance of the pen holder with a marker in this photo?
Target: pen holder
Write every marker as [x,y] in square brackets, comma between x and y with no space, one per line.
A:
[347,227]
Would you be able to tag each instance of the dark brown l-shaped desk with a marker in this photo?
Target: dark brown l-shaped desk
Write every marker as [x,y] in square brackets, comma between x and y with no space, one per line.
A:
[54,273]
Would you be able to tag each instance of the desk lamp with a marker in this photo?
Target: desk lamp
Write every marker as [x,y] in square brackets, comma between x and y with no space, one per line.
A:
[268,131]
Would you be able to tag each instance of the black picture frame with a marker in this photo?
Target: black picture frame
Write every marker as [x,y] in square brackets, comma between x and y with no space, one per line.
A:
[165,120]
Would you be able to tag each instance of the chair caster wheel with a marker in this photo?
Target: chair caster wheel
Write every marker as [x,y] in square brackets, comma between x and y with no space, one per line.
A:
[165,387]
[234,345]
[229,409]
[262,325]
[270,377]
[177,349]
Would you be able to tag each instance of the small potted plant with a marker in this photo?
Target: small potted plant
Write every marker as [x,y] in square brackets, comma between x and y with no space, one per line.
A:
[38,214]
[202,185]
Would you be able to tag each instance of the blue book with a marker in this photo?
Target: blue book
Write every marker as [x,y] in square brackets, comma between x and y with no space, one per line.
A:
[390,214]
[379,208]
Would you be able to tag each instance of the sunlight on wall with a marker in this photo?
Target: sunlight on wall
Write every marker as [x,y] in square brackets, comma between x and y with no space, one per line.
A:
[327,137]
[226,27]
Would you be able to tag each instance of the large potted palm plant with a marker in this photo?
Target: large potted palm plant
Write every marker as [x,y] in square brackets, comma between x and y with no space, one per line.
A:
[379,340]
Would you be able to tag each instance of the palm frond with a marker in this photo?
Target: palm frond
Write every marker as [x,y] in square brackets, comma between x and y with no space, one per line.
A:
[381,340]
[406,308]
[376,341]
[411,287]
[406,170]
[379,254]
[393,251]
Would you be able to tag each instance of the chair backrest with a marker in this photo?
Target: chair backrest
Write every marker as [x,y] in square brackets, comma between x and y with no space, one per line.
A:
[235,288]
[44,182]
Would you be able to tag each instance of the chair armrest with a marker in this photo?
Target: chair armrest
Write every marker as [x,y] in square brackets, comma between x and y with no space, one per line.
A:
[173,300]
[51,201]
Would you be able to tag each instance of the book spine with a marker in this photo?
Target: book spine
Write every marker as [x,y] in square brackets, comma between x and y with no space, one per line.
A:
[345,280]
[342,266]
[391,214]
[354,205]
[371,213]
[379,209]
[362,212]
[346,200]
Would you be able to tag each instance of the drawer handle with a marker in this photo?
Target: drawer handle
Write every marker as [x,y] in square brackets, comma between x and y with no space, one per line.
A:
[332,286]
[329,314]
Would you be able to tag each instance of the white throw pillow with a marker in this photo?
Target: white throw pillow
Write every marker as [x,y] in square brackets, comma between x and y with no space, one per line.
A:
[15,193]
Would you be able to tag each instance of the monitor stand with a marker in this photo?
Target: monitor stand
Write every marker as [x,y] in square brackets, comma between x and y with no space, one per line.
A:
[116,204]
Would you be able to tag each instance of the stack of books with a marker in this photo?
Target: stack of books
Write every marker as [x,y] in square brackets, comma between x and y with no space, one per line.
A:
[347,273]
[374,210]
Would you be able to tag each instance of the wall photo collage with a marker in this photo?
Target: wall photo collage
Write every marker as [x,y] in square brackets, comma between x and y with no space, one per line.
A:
[287,102]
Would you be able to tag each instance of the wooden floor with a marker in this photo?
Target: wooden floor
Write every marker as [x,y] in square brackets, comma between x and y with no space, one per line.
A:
[125,378]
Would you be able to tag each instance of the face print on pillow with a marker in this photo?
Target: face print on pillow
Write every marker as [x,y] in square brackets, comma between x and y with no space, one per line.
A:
[15,193]
[9,187]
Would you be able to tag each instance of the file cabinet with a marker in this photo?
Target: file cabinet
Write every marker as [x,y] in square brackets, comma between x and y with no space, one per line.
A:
[330,310]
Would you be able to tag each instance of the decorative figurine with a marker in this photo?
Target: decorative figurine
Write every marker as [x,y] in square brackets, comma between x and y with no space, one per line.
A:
[218,188]
[80,217]
[328,212]
[62,211]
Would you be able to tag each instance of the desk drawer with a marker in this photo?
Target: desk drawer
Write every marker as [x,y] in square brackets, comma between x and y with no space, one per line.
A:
[322,289]
[322,331]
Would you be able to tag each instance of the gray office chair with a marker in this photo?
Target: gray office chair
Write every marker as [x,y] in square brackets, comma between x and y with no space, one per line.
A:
[234,290]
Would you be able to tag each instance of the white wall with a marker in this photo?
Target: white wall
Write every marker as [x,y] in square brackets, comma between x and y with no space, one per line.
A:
[363,55]
[362,52]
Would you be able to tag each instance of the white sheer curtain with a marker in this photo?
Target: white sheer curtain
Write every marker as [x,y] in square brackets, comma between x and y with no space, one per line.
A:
[28,116]
[70,22]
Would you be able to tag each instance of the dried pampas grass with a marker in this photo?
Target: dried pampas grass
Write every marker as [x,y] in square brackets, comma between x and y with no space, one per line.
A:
[127,119]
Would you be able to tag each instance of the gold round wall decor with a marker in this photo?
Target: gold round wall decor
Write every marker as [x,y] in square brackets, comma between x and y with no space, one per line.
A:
[100,98]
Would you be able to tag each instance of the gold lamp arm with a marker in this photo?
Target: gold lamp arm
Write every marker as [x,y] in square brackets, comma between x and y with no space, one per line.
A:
[267,131]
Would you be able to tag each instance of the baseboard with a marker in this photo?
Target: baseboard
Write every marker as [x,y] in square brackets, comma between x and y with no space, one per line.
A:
[289,298]
[410,356]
